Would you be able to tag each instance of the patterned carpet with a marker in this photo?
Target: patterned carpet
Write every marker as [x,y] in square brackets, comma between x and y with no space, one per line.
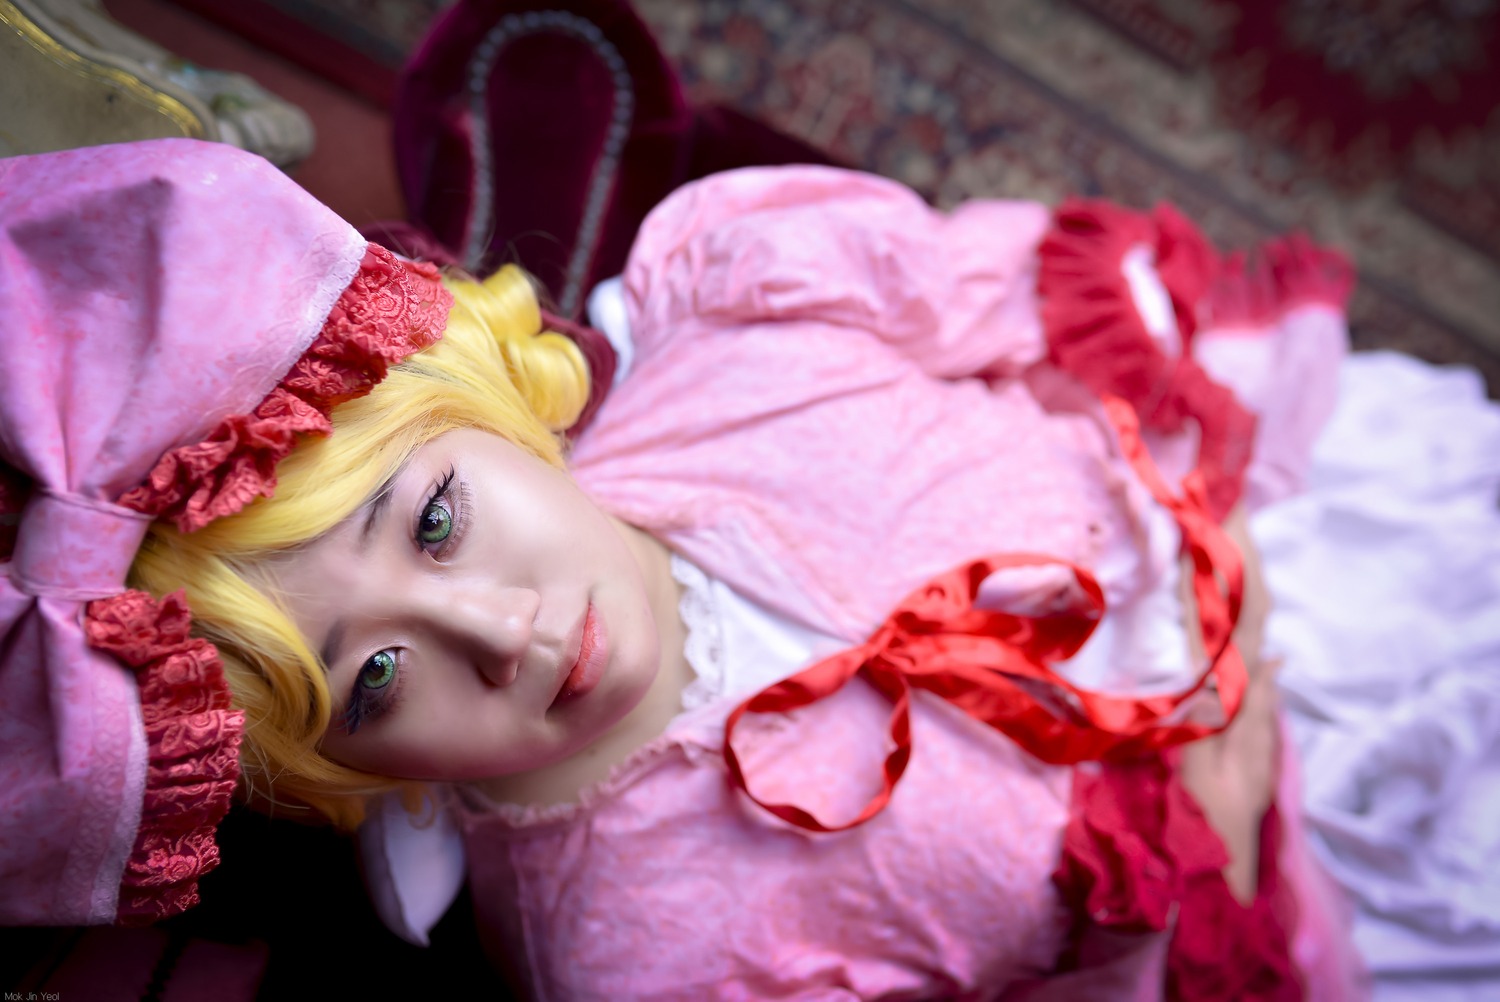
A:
[1038,99]
[1136,100]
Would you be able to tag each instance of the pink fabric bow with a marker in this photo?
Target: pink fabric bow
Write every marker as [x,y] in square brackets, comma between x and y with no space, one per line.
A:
[147,291]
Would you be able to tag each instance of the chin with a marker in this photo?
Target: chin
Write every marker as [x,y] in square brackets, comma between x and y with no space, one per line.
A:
[630,692]
[616,702]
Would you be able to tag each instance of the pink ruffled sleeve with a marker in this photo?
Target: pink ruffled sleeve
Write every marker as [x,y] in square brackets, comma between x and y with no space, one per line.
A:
[956,293]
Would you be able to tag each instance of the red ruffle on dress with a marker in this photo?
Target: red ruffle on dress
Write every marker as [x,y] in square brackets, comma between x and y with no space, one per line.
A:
[1140,857]
[870,430]
[1138,854]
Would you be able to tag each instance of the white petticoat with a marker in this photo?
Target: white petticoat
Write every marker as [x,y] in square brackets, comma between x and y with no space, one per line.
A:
[1386,578]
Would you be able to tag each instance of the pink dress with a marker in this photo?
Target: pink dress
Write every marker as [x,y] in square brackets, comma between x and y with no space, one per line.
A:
[838,393]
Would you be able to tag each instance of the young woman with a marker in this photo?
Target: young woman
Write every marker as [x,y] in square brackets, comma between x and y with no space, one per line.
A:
[858,648]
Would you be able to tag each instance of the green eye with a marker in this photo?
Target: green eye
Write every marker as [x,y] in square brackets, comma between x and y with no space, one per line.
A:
[435,525]
[378,671]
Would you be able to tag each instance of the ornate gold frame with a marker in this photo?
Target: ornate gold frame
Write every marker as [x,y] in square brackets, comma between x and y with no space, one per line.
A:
[178,113]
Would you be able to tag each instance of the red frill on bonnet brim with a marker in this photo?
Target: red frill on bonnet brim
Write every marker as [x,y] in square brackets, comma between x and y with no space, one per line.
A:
[391,309]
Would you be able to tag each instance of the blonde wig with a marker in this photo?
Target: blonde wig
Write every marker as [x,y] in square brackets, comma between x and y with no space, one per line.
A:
[495,369]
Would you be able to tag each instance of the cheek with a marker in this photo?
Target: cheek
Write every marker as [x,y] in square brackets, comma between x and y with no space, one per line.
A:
[440,750]
[427,730]
[635,656]
[444,730]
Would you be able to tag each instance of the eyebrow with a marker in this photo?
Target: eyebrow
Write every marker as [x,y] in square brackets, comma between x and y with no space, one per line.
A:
[374,509]
[378,505]
[333,643]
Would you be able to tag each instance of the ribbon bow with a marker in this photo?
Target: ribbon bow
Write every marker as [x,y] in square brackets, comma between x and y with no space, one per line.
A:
[114,354]
[997,666]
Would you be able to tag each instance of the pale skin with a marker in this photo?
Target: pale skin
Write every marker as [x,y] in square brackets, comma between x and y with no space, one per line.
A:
[456,604]
[565,780]
[1233,774]
[481,620]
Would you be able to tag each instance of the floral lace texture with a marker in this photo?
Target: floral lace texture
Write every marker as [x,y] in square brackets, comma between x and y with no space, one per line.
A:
[392,309]
[704,644]
[192,742]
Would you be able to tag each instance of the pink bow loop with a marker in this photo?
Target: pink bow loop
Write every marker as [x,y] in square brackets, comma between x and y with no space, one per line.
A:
[72,547]
[148,291]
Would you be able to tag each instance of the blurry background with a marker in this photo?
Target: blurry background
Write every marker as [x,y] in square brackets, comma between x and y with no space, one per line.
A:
[1372,124]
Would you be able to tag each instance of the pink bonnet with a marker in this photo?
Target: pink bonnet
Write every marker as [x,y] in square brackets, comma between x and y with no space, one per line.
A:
[173,314]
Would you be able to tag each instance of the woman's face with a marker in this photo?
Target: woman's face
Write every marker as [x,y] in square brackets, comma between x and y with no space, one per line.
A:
[479,618]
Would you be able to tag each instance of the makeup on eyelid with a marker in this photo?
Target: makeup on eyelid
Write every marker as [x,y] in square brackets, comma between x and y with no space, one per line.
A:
[516,610]
[449,501]
[370,703]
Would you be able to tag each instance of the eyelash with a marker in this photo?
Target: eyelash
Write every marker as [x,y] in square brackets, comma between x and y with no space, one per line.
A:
[454,499]
[363,707]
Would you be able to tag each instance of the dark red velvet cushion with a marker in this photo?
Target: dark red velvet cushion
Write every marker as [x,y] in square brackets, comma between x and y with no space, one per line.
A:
[551,98]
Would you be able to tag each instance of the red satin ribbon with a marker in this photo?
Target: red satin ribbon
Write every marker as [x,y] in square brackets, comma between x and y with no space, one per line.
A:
[996,666]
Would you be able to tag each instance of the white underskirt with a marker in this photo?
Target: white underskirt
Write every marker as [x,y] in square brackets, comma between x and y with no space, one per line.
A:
[1385,574]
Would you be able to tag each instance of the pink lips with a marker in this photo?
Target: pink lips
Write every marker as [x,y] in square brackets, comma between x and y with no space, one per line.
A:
[593,655]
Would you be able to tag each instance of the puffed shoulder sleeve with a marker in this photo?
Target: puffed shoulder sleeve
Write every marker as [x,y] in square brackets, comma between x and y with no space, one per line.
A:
[955,292]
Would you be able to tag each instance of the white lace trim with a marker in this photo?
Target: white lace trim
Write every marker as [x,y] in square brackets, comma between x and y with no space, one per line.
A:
[704,644]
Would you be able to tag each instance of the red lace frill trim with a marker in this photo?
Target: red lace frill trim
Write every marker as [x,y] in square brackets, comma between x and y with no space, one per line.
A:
[1258,289]
[1137,847]
[192,740]
[391,309]
[1095,332]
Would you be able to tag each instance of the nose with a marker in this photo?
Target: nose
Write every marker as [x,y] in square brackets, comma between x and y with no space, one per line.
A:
[491,626]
